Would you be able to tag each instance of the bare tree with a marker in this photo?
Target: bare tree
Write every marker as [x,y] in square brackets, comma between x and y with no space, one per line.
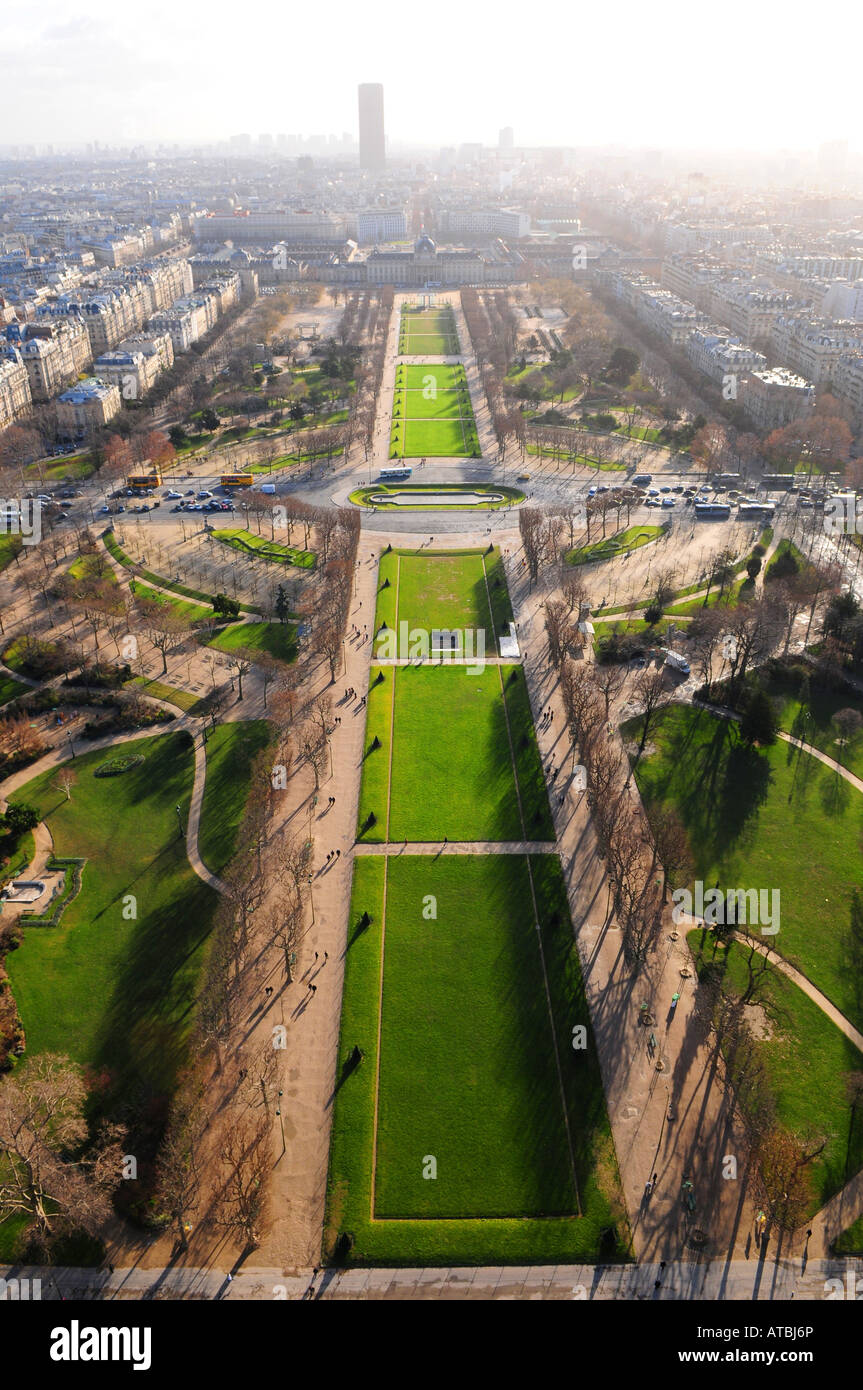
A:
[42,1124]
[649,691]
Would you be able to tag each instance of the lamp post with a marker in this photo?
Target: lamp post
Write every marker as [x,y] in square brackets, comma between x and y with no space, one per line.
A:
[179,821]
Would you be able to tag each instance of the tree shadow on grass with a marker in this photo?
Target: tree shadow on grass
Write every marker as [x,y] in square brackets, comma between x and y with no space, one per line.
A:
[717,782]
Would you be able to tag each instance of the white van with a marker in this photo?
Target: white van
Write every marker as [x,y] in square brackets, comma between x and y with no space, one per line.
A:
[677,662]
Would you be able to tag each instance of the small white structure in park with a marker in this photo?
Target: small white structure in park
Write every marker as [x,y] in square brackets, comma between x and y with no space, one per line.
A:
[509,643]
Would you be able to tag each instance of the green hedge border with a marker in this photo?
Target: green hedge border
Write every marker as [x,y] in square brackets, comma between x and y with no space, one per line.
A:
[74,870]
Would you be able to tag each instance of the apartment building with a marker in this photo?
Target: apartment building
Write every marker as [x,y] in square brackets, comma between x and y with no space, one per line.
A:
[777,396]
[86,407]
[226,289]
[54,354]
[749,312]
[812,346]
[117,251]
[670,318]
[381,224]
[15,399]
[847,382]
[806,266]
[484,224]
[843,299]
[157,345]
[716,353]
[266,228]
[130,370]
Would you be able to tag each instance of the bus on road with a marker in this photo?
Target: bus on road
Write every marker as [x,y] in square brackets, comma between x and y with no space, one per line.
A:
[712,511]
[142,481]
[395,475]
[237,479]
[756,509]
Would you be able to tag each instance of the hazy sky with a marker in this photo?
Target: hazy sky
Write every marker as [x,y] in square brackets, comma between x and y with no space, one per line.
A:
[667,73]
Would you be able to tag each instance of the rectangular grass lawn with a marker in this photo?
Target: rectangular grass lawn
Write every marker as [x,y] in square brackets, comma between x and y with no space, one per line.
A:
[442,405]
[447,376]
[374,786]
[445,591]
[433,438]
[467,1073]
[467,1059]
[439,590]
[452,771]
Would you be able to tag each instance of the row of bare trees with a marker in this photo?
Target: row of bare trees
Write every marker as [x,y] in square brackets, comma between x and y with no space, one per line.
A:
[623,834]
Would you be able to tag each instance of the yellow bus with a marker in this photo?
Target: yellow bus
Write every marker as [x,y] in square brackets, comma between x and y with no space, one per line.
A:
[237,479]
[141,481]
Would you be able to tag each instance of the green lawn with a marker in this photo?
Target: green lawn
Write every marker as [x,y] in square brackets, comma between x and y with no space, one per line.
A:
[450,739]
[15,854]
[10,689]
[247,542]
[92,566]
[231,750]
[607,547]
[531,776]
[184,608]
[446,591]
[807,1060]
[740,590]
[10,546]
[428,333]
[374,786]
[276,639]
[771,819]
[158,690]
[56,470]
[468,1079]
[444,376]
[442,405]
[434,438]
[113,985]
[443,590]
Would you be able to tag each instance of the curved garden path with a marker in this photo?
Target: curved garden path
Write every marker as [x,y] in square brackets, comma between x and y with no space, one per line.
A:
[57,756]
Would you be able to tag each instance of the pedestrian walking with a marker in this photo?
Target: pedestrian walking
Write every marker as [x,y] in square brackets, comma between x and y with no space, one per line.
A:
[313,988]
[316,957]
[338,854]
[326,956]
[268,991]
[653,1179]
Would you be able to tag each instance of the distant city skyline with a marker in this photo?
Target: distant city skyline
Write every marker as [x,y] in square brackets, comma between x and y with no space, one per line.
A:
[663,78]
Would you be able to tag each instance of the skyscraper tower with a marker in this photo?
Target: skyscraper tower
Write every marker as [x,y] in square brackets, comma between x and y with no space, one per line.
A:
[372,141]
